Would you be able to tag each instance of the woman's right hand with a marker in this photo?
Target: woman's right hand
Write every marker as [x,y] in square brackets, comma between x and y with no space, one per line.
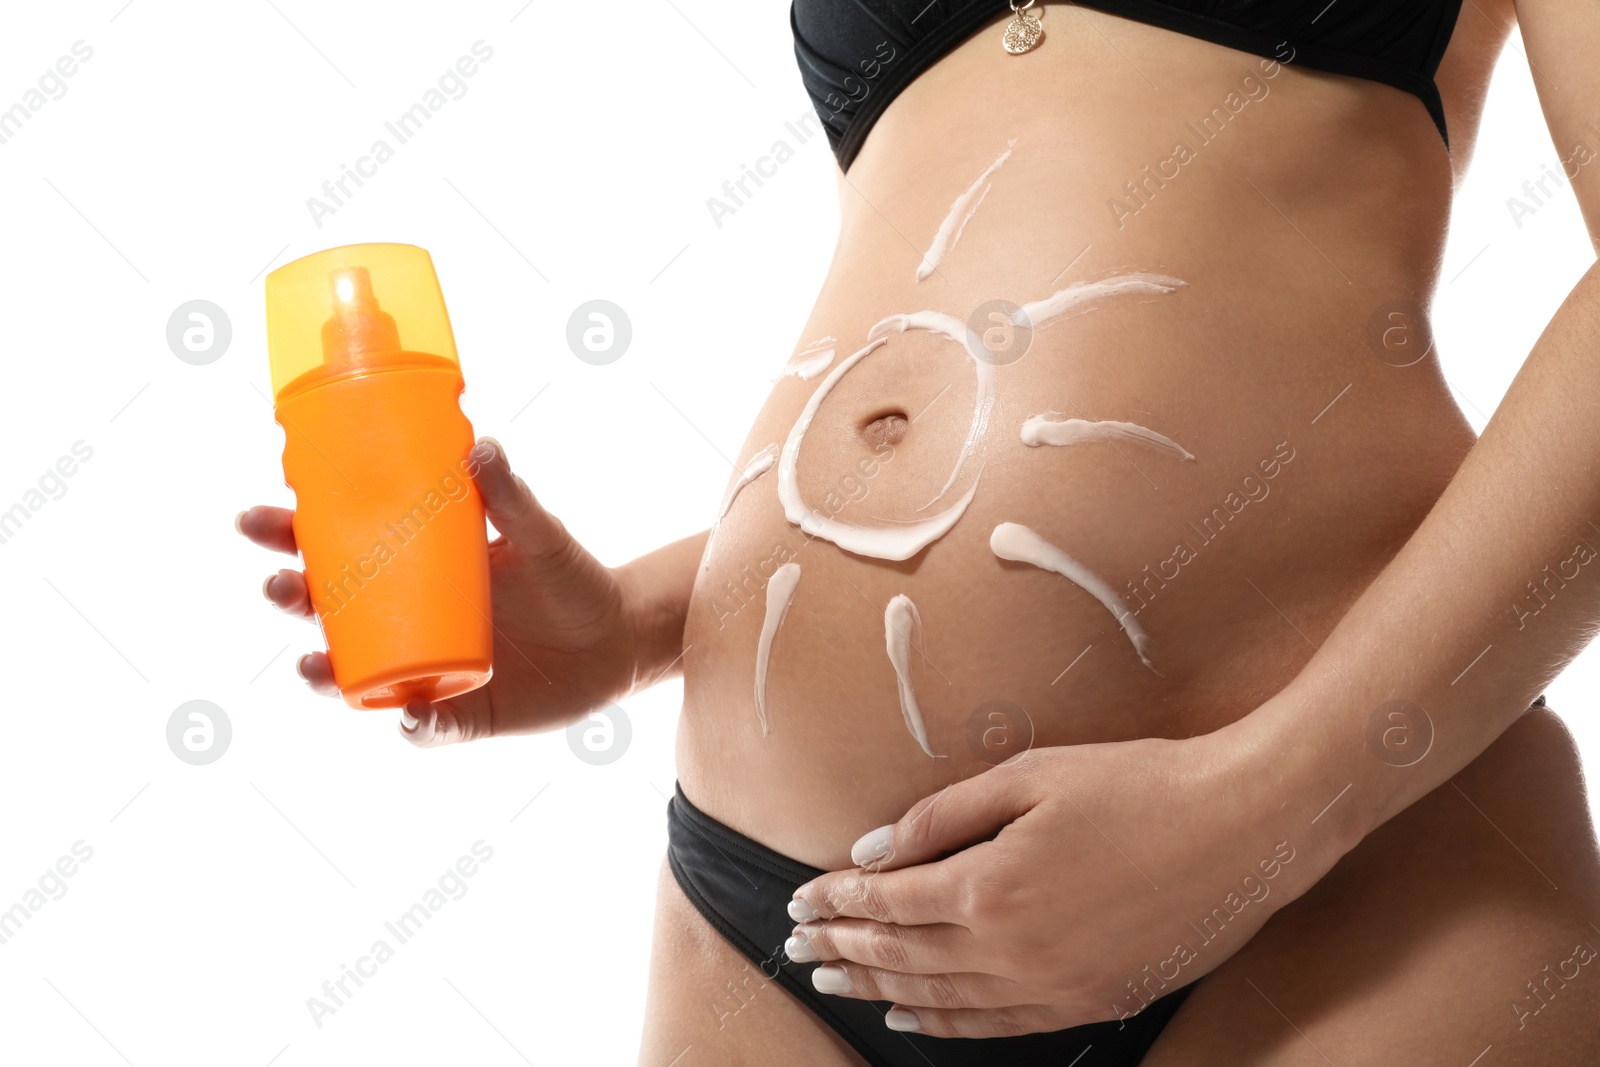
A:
[571,635]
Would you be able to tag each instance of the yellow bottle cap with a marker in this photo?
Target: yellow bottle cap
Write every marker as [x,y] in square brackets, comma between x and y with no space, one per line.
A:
[352,309]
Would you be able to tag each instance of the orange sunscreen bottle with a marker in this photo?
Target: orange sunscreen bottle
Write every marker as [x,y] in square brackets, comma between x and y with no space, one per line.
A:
[366,384]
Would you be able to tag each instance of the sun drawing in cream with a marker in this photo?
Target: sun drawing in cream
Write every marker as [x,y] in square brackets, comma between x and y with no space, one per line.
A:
[901,540]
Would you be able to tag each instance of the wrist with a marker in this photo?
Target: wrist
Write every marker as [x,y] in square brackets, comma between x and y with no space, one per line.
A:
[655,591]
[653,630]
[1306,770]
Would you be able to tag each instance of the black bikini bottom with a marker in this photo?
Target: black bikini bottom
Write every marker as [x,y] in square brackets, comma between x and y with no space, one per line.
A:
[743,889]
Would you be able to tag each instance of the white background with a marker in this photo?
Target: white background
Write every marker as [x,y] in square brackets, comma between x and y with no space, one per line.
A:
[577,165]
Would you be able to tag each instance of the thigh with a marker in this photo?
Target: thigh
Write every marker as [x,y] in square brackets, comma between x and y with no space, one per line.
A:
[708,1006]
[1461,932]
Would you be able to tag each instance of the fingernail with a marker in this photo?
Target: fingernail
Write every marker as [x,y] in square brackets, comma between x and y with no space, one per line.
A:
[830,979]
[798,948]
[238,522]
[408,722]
[266,586]
[873,846]
[300,668]
[281,576]
[802,912]
[904,1020]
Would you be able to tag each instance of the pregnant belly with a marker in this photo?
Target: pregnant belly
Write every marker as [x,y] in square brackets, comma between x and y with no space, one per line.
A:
[1061,481]
[1120,551]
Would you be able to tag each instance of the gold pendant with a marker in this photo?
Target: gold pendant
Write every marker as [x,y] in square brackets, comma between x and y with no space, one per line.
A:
[1023,32]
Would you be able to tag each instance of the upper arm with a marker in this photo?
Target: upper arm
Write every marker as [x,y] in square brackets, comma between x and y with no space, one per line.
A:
[1562,38]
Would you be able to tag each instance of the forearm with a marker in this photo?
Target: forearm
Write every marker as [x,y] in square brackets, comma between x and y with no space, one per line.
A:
[1494,594]
[656,589]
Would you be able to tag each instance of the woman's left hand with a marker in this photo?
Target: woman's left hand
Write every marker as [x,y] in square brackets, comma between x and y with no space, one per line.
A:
[1065,886]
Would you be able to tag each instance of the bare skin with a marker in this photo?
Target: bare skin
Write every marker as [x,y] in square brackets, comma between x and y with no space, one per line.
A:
[1402,952]
[1417,948]
[1213,367]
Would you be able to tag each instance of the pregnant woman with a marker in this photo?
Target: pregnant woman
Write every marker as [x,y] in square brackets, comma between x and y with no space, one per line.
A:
[1116,647]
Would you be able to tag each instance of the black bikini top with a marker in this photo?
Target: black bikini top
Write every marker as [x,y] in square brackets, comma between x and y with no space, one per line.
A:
[857,55]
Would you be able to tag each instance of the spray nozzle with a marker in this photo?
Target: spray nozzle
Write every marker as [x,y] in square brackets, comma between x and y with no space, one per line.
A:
[324,319]
[358,327]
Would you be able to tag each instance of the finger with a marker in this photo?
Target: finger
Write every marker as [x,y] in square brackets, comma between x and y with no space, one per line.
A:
[287,589]
[317,671]
[931,949]
[419,724]
[946,992]
[268,527]
[978,1022]
[972,810]
[510,504]
[921,895]
[448,722]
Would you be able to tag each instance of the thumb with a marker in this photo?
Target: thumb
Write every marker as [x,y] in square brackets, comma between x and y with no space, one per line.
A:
[509,503]
[956,817]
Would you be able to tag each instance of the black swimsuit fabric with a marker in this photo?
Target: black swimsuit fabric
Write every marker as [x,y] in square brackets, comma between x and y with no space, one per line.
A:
[743,889]
[856,56]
